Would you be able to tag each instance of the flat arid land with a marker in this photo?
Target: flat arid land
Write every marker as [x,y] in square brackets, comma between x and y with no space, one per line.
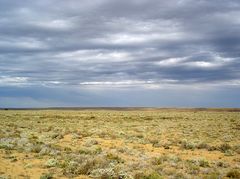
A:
[120,143]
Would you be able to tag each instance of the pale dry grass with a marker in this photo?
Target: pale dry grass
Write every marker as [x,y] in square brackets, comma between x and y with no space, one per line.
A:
[119,144]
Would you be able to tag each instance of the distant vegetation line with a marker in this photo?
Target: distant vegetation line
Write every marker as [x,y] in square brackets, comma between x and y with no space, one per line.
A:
[128,108]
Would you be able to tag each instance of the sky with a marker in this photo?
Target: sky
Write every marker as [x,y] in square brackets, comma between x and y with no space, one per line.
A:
[143,53]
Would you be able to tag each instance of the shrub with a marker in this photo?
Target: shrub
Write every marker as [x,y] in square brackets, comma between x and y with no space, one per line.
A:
[153,175]
[6,143]
[36,148]
[4,177]
[154,142]
[159,160]
[233,174]
[85,151]
[45,150]
[73,168]
[199,162]
[114,157]
[103,173]
[70,168]
[91,142]
[46,176]
[202,146]
[187,145]
[212,176]
[212,148]
[236,148]
[51,163]
[203,163]
[224,147]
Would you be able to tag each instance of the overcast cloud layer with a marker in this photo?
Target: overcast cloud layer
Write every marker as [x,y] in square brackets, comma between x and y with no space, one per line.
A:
[120,53]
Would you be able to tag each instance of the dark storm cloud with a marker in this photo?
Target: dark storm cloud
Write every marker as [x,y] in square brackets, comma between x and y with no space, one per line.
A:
[119,43]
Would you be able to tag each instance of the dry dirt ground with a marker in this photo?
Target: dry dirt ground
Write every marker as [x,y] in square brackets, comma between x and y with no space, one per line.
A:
[145,143]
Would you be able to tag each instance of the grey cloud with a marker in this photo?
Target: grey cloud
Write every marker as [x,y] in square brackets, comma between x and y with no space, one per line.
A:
[124,40]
